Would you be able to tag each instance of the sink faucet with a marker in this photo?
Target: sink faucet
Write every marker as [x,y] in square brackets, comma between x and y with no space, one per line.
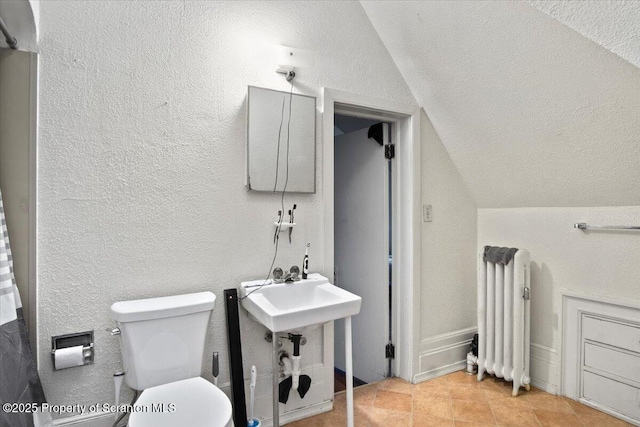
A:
[277,275]
[293,275]
[280,276]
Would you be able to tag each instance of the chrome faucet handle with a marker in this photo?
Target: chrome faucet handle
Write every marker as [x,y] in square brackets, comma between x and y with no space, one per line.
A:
[277,275]
[114,331]
[294,273]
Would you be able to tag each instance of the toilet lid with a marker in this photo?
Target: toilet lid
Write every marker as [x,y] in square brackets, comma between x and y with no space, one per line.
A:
[193,402]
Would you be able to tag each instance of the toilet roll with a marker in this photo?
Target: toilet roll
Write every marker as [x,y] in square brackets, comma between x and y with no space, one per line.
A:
[69,357]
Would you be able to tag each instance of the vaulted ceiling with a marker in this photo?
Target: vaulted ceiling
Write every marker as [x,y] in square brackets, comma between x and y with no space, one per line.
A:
[615,25]
[531,111]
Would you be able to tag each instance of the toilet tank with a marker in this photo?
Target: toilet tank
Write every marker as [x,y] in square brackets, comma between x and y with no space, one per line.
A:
[162,339]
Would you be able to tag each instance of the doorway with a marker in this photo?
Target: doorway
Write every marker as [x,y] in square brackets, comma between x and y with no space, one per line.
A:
[362,244]
[405,223]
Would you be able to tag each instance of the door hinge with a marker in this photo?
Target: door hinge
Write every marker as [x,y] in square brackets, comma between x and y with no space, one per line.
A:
[390,351]
[389,151]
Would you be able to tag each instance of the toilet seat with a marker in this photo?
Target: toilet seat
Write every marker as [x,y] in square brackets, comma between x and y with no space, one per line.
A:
[193,402]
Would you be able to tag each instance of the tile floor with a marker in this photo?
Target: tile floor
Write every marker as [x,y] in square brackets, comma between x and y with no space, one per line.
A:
[340,384]
[457,400]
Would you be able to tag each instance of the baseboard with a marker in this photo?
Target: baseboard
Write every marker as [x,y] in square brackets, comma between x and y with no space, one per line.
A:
[438,372]
[107,419]
[447,353]
[443,354]
[544,386]
[301,413]
[94,419]
[609,411]
[544,368]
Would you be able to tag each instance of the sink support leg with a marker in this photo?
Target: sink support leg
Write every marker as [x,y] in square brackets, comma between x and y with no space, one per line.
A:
[349,373]
[276,371]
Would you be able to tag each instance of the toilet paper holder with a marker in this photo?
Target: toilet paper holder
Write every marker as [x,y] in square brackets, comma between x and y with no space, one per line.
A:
[85,339]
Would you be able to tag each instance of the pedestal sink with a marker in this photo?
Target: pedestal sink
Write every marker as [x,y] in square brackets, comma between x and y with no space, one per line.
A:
[296,306]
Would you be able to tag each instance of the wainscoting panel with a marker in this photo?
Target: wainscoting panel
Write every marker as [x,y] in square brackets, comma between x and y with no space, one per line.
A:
[447,353]
[444,354]
[544,368]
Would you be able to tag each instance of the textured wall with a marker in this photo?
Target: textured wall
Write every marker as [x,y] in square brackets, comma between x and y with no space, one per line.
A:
[448,243]
[142,159]
[603,263]
[613,24]
[531,112]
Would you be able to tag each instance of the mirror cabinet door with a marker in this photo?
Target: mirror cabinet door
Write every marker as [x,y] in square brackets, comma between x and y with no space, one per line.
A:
[281,141]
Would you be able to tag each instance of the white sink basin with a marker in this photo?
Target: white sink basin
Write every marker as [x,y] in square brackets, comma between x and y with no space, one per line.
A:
[297,305]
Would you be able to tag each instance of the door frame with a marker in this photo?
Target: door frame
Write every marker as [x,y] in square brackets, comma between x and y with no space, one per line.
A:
[405,222]
[33,205]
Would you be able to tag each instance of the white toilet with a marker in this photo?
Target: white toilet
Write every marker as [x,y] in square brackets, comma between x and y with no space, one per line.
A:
[162,343]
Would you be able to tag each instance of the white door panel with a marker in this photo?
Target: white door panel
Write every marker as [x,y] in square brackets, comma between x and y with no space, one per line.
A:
[362,249]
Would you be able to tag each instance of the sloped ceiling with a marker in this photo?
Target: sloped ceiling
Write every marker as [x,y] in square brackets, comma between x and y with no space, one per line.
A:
[531,112]
[348,124]
[614,25]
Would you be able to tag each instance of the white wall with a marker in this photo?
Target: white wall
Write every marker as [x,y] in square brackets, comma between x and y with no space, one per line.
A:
[448,271]
[531,112]
[612,24]
[142,160]
[448,255]
[601,263]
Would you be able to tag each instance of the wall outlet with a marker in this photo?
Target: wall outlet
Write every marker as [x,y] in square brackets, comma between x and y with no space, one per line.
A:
[427,213]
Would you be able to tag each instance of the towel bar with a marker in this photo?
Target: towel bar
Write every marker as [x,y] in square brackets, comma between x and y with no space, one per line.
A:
[585,226]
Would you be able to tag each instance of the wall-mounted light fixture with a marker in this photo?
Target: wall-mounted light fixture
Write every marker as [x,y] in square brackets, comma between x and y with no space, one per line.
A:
[287,71]
[289,57]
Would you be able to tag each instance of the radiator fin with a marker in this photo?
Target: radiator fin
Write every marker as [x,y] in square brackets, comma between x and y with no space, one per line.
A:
[503,320]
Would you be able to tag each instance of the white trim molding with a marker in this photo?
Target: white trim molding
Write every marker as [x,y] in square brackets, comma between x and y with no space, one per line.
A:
[443,354]
[93,419]
[406,218]
[544,368]
[573,306]
[33,205]
[447,353]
